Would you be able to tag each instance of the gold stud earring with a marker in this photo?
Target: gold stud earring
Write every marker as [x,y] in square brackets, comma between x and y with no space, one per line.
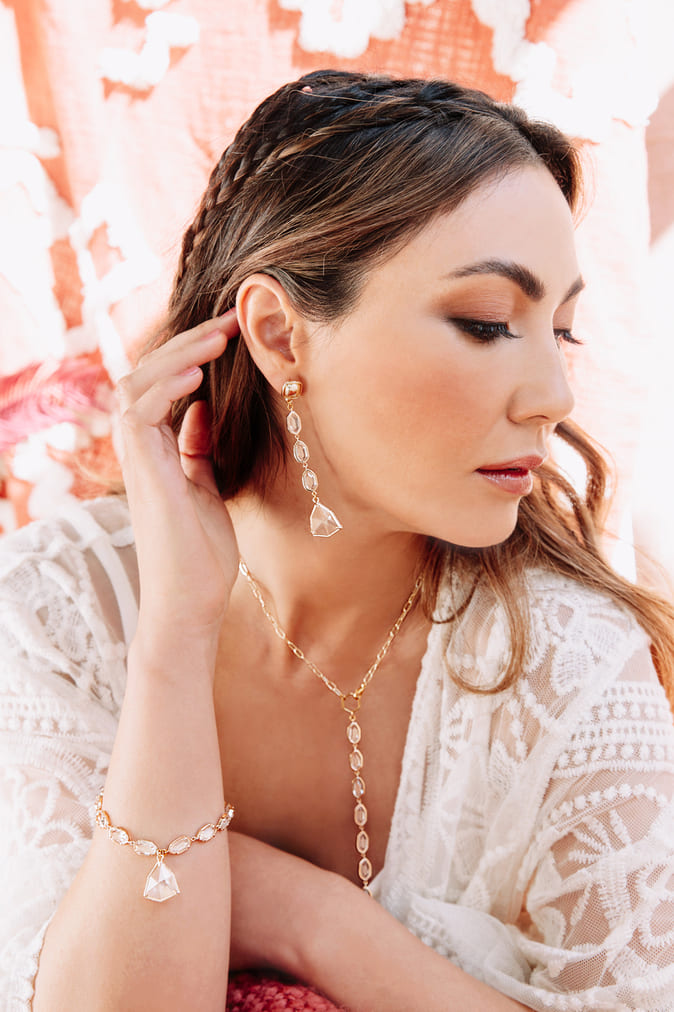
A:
[322,521]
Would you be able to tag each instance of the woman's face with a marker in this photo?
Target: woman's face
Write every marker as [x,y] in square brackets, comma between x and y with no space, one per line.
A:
[431,401]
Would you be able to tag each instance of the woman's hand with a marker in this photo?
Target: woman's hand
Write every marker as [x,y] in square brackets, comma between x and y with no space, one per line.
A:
[276,898]
[187,551]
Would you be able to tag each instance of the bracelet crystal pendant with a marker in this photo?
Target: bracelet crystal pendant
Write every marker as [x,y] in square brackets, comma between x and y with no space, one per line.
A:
[161,883]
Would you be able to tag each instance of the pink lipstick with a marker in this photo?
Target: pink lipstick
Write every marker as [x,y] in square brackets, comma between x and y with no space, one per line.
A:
[514,476]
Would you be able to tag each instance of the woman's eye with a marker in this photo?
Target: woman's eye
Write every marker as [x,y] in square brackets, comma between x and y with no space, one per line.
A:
[565,336]
[487,331]
[483,330]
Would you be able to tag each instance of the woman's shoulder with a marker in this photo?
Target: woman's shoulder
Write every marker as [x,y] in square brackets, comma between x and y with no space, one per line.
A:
[554,592]
[69,603]
[87,542]
[73,527]
[577,638]
[584,623]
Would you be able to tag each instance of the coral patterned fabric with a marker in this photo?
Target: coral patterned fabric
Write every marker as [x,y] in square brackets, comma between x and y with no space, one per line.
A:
[114,113]
[250,992]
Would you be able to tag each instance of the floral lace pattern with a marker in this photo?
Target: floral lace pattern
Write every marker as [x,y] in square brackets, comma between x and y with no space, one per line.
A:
[533,836]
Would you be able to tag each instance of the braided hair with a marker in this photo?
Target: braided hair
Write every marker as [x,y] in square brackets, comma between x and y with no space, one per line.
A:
[331,175]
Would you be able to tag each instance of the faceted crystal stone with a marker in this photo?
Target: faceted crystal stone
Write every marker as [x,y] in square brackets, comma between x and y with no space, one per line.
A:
[356,760]
[358,787]
[353,732]
[360,814]
[294,423]
[102,819]
[161,884]
[119,835]
[323,521]
[146,848]
[365,869]
[226,818]
[301,452]
[310,480]
[206,832]
[292,388]
[362,842]
[179,845]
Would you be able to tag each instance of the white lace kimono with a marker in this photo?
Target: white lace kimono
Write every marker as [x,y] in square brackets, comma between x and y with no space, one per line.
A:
[532,841]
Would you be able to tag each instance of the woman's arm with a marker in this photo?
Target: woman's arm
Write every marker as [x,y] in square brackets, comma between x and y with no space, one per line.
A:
[381,966]
[108,947]
[323,930]
[598,897]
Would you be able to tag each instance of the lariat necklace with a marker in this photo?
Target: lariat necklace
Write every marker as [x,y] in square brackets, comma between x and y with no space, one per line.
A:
[350,705]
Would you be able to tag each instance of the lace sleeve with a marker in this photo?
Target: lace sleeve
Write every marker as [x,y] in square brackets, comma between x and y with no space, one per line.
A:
[537,846]
[599,921]
[67,601]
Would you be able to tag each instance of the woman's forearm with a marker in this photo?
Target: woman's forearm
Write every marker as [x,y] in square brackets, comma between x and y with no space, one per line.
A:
[108,947]
[320,928]
[361,957]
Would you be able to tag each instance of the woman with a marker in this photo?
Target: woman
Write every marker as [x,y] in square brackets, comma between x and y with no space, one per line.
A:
[364,344]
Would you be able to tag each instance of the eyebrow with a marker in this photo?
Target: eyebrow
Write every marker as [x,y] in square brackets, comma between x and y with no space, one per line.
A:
[525,279]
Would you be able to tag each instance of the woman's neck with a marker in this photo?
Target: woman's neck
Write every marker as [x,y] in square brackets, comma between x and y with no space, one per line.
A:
[322,590]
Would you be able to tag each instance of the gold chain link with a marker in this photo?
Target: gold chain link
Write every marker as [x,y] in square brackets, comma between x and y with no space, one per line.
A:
[299,653]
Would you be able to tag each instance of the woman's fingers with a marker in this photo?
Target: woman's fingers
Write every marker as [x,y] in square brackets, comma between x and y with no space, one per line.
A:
[170,372]
[152,406]
[193,347]
[227,324]
[187,552]
[175,362]
[194,443]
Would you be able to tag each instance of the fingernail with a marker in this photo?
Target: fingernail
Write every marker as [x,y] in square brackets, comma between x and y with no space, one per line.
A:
[191,371]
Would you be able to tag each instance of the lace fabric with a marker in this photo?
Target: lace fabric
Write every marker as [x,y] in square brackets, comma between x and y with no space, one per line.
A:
[532,841]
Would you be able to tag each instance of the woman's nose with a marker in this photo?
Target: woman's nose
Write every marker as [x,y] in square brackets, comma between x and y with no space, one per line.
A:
[543,390]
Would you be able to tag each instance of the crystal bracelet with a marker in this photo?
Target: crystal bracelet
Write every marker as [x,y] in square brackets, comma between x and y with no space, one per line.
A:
[161,884]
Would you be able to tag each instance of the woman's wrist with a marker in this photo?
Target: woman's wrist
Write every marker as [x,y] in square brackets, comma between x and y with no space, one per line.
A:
[313,915]
[177,656]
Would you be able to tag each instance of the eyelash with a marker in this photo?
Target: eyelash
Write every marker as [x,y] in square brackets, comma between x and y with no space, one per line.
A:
[489,332]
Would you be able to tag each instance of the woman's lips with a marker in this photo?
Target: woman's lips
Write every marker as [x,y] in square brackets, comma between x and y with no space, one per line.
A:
[514,476]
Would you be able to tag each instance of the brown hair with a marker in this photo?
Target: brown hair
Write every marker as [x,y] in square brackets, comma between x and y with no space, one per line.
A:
[330,175]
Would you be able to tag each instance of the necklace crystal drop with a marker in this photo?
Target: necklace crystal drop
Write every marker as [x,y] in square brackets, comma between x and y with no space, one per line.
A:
[351,705]
[356,761]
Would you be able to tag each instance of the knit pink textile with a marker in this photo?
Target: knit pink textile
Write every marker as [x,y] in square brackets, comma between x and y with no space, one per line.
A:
[260,992]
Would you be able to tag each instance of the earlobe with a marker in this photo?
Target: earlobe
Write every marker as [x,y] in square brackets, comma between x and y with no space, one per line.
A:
[267,320]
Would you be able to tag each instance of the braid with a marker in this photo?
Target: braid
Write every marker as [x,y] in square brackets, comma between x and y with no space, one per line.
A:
[208,203]
[315,123]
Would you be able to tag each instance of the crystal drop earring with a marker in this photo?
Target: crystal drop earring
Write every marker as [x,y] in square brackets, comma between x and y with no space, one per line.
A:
[323,521]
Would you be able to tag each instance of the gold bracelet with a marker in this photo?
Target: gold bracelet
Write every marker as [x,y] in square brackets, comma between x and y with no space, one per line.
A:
[161,884]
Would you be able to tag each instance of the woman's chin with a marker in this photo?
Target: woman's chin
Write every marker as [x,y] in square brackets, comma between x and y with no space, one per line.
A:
[480,536]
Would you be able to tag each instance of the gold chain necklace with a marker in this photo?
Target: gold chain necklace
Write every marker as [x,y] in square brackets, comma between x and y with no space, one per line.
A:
[351,705]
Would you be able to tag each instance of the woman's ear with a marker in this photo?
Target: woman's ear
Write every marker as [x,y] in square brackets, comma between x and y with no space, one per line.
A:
[270,326]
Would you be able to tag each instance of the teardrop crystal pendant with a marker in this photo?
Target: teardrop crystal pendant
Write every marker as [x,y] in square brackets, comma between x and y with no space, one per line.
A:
[161,884]
[323,522]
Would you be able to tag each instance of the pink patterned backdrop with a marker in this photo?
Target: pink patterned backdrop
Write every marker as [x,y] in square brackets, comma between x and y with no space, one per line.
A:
[114,112]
